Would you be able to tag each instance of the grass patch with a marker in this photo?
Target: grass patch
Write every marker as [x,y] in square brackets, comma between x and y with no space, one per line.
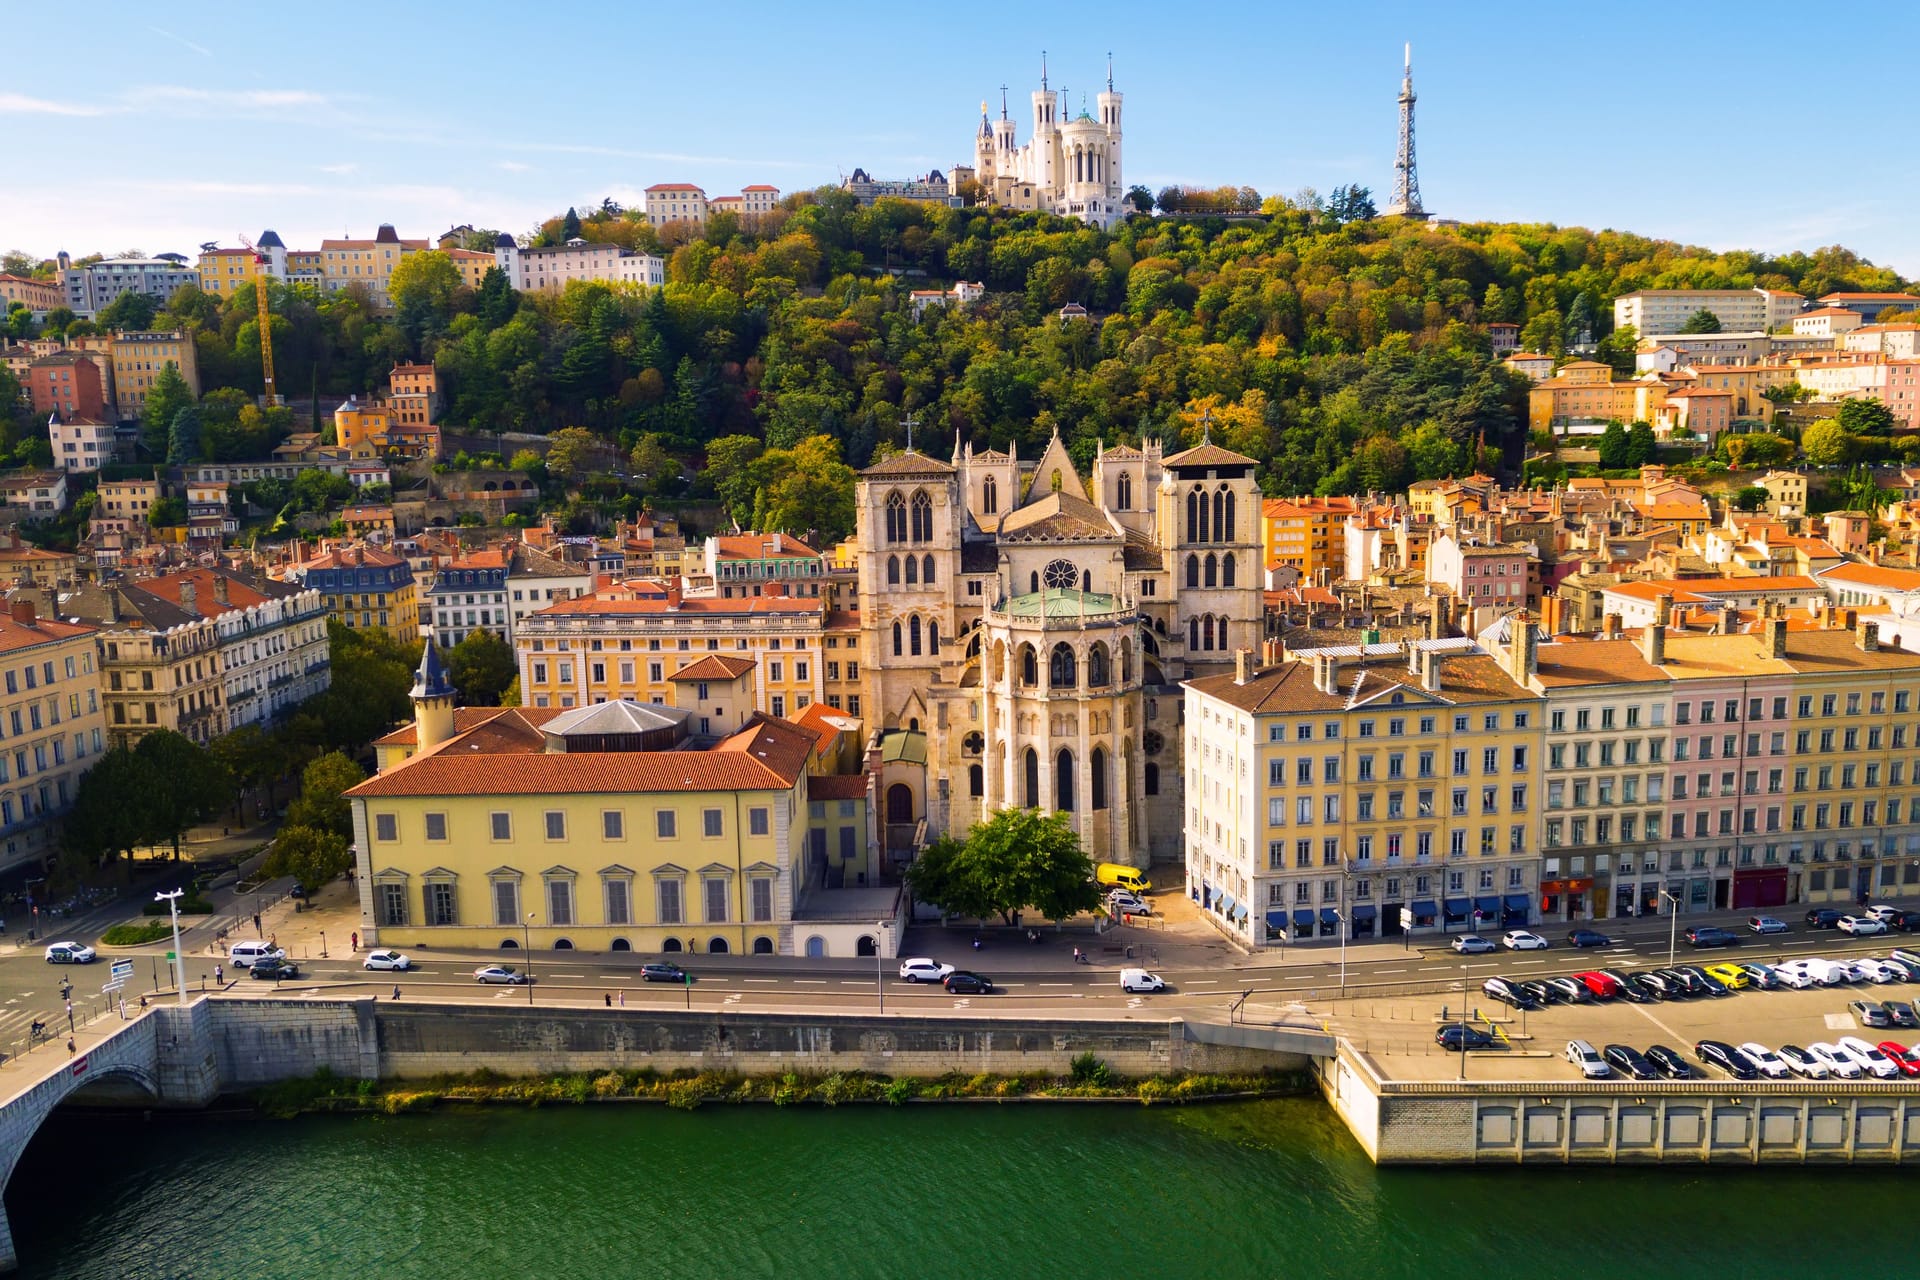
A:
[133,935]
[191,905]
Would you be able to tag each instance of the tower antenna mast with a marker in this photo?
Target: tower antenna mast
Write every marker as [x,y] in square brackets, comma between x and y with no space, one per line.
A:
[1406,176]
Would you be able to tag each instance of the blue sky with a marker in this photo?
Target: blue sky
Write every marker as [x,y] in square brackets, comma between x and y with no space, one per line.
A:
[158,125]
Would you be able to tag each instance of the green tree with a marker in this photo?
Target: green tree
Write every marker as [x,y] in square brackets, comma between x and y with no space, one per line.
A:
[110,815]
[571,227]
[813,490]
[188,784]
[167,513]
[251,756]
[1865,418]
[1352,203]
[1701,321]
[310,855]
[131,310]
[1015,860]
[1140,197]
[1826,444]
[1641,447]
[481,667]
[370,675]
[183,438]
[167,397]
[1750,497]
[1613,447]
[322,802]
[650,462]
[572,453]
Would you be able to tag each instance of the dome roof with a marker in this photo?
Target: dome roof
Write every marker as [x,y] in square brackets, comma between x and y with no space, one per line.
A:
[430,680]
[504,241]
[270,239]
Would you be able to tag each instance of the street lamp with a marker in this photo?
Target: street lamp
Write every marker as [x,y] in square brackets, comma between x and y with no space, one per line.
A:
[1346,880]
[880,962]
[1673,924]
[526,934]
[179,960]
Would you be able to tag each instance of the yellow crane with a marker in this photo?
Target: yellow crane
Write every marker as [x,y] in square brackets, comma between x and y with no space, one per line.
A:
[266,319]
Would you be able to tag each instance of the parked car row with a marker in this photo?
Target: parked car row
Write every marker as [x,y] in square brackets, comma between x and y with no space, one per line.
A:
[1848,1058]
[1643,986]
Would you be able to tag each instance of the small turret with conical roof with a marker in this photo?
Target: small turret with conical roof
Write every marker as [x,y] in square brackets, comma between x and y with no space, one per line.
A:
[432,700]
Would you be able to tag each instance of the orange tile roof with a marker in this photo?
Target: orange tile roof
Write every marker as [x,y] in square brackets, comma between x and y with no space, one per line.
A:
[1875,575]
[688,605]
[15,636]
[837,786]
[756,546]
[715,667]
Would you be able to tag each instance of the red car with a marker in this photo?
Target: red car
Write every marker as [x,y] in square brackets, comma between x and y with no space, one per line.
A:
[1603,985]
[1901,1057]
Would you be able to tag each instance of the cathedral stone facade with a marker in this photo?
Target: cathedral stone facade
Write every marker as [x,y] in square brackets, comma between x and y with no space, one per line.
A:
[1035,628]
[1070,166]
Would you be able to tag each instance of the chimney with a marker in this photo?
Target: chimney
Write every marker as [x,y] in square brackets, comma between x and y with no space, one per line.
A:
[1242,665]
[776,543]
[1430,671]
[1776,630]
[773,588]
[1611,627]
[673,592]
[1662,609]
[188,599]
[220,588]
[21,611]
[1867,636]
[1723,623]
[1520,648]
[1653,643]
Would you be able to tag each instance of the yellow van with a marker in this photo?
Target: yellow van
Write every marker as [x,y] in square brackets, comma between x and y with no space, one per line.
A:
[1114,873]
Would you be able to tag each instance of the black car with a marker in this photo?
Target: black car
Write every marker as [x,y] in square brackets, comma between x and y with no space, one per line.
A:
[1823,918]
[1629,1061]
[1709,984]
[1900,1013]
[1587,938]
[963,982]
[1507,992]
[1720,1054]
[1458,1036]
[1572,990]
[1541,991]
[1639,990]
[1906,921]
[274,970]
[1664,982]
[1668,1062]
[662,971]
[1707,935]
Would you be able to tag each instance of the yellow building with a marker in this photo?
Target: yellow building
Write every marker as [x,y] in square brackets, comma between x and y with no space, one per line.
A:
[139,357]
[365,588]
[1308,534]
[367,263]
[1329,794]
[612,827]
[224,272]
[362,429]
[1584,393]
[629,640]
[471,264]
[54,723]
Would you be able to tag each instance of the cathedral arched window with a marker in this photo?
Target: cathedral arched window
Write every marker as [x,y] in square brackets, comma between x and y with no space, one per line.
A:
[1061,575]
[1099,669]
[933,638]
[973,744]
[913,571]
[1125,488]
[1219,516]
[1086,581]
[896,518]
[1063,782]
[896,640]
[1034,579]
[1097,778]
[1230,534]
[1053,484]
[1033,778]
[1193,571]
[1194,533]
[1029,666]
[976,781]
[913,635]
[1193,636]
[1226,570]
[1206,634]
[990,495]
[1151,779]
[893,571]
[1061,668]
[926,569]
[1213,570]
[922,524]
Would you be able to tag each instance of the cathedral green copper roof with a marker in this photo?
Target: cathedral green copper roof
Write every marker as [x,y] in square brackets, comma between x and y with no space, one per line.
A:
[1059,602]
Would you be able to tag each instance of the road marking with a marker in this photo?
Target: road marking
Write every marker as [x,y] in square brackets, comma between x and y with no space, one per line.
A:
[566,975]
[1053,984]
[504,995]
[614,977]
[1389,970]
[813,982]
[961,1004]
[773,980]
[821,981]
[1202,982]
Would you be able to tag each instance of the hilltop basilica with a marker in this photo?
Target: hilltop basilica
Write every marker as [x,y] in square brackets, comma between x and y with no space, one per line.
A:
[1070,166]
[1026,632]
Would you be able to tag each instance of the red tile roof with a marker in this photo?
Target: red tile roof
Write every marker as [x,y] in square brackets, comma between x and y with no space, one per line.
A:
[715,667]
[837,786]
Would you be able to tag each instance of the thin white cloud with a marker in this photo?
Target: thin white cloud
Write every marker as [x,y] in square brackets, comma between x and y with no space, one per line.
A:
[338,169]
[513,166]
[226,98]
[21,104]
[179,39]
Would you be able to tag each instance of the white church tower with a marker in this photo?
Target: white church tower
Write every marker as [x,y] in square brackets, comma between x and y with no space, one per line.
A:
[1069,166]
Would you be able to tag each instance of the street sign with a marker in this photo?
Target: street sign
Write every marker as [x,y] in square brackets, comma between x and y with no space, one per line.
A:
[122,970]
[171,956]
[1406,917]
[110,987]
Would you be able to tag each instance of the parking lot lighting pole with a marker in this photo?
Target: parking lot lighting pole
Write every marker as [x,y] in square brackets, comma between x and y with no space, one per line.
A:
[526,934]
[880,962]
[1673,925]
[1346,878]
[179,959]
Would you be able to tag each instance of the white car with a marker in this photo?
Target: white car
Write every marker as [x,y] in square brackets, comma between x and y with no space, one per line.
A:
[1770,1063]
[1802,1062]
[1840,1064]
[1877,970]
[1862,926]
[1139,980]
[499,975]
[1591,1064]
[921,969]
[1883,912]
[1522,940]
[69,953]
[1471,944]
[387,960]
[1795,974]
[1124,902]
[1876,1063]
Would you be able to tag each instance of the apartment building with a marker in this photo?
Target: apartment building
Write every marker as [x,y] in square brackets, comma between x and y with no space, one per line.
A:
[368,263]
[80,445]
[1650,311]
[91,289]
[551,268]
[52,727]
[138,358]
[1395,791]
[68,383]
[38,296]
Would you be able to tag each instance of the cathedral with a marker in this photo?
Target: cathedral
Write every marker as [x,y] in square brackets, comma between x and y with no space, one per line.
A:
[1027,631]
[1070,167]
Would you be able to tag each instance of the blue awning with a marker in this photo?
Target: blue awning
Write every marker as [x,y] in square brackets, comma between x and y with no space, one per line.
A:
[1240,911]
[1223,902]
[1458,906]
[1487,903]
[1302,918]
[1423,909]
[1519,902]
[1329,916]
[1365,911]
[1276,919]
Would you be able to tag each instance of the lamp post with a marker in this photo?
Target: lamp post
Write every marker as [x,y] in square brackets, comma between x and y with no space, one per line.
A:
[880,962]
[179,961]
[1346,880]
[1673,925]
[526,934]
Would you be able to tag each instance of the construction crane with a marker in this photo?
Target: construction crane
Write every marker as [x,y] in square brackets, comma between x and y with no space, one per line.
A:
[266,320]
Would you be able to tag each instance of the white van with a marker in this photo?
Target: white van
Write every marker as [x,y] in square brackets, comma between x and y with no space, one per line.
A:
[1140,980]
[245,955]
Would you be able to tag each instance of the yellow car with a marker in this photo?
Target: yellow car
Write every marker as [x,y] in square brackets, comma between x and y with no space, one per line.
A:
[1732,975]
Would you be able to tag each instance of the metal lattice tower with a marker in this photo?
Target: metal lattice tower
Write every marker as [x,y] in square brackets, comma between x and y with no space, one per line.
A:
[1406,177]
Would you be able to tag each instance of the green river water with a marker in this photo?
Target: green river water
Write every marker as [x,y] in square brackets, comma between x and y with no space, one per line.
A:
[929,1192]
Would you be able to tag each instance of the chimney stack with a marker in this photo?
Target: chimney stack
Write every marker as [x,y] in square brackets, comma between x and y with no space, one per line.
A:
[189,598]
[673,592]
[1776,630]
[1723,623]
[1520,648]
[220,588]
[22,611]
[1430,670]
[1242,665]
[1610,628]
[1653,643]
[1663,609]
[1850,619]
[1867,636]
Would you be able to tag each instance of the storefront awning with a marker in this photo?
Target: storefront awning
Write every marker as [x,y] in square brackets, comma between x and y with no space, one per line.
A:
[1487,903]
[1329,916]
[1223,902]
[1240,911]
[1365,911]
[1302,918]
[1517,902]
[1276,919]
[1424,909]
[1458,906]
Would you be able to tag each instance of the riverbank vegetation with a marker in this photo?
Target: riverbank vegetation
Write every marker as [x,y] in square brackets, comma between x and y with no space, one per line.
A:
[1089,1079]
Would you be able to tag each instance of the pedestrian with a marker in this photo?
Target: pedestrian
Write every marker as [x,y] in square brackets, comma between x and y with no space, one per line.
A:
[69,1046]
[396,991]
[143,1000]
[219,975]
[256,922]
[623,997]
[609,998]
[356,941]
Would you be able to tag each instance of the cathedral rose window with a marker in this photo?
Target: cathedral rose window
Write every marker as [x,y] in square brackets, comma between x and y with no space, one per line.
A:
[1061,575]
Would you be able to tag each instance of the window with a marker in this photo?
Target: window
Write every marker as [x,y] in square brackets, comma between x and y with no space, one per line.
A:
[762,894]
[386,826]
[758,822]
[556,825]
[714,890]
[667,893]
[501,824]
[390,905]
[436,826]
[506,902]
[617,895]
[710,823]
[560,902]
[613,825]
[663,824]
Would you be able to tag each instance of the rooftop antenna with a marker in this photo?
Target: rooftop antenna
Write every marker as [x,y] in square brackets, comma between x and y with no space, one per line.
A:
[909,422]
[1109,71]
[1003,102]
[1043,71]
[1406,178]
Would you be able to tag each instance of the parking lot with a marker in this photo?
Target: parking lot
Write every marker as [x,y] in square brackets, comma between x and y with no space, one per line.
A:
[1397,1034]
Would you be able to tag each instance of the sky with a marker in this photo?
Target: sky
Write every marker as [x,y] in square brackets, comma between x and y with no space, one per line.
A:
[157,125]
